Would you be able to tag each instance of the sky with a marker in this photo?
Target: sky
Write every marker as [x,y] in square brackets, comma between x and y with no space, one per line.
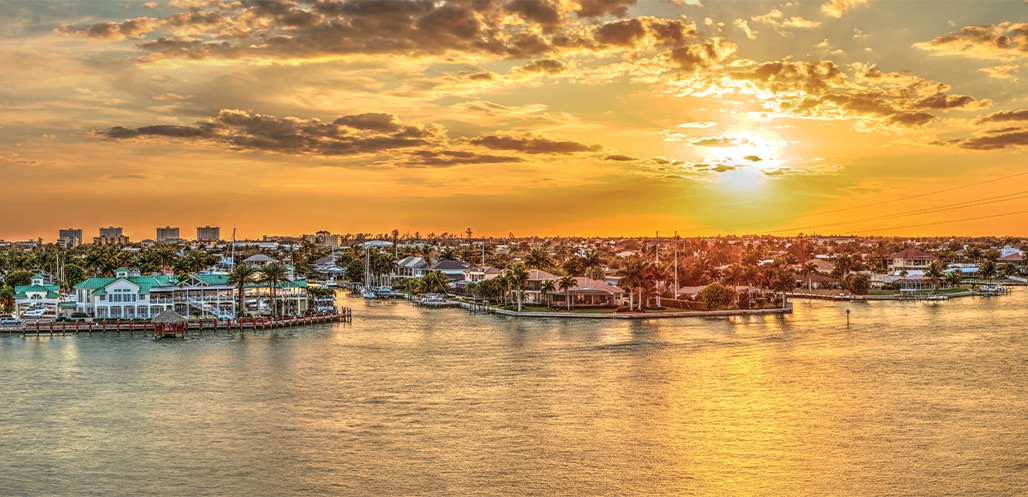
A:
[548,117]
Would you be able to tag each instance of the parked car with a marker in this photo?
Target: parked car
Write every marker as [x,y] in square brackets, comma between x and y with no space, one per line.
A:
[9,320]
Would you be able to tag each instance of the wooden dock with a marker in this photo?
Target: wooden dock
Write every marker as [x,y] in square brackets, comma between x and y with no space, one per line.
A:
[161,330]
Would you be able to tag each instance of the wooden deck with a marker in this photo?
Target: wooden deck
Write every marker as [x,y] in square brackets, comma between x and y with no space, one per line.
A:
[171,330]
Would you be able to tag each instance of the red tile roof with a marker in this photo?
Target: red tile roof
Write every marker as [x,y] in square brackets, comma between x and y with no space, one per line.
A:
[913,253]
[1015,257]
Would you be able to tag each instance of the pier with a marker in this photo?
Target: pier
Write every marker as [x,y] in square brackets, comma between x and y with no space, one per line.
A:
[161,330]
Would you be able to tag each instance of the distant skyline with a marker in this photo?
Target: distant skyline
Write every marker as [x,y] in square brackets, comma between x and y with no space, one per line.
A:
[562,117]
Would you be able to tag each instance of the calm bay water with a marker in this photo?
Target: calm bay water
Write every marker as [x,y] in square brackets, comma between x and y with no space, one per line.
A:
[910,399]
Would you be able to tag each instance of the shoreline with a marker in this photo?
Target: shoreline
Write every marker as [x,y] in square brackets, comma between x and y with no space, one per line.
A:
[637,315]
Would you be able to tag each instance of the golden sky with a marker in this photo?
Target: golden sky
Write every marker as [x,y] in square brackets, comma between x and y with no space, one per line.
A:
[550,117]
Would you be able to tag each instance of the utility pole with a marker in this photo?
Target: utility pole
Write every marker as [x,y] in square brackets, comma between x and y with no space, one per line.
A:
[676,265]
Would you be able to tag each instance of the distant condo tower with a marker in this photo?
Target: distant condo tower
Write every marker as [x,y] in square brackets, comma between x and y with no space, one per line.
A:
[70,237]
[208,234]
[111,236]
[167,234]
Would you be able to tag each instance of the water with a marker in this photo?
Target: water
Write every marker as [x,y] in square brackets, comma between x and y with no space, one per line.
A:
[910,399]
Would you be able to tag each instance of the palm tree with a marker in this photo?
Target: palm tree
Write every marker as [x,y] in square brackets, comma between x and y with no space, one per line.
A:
[954,278]
[934,275]
[808,269]
[988,270]
[566,283]
[272,273]
[239,277]
[632,276]
[517,276]
[434,282]
[546,288]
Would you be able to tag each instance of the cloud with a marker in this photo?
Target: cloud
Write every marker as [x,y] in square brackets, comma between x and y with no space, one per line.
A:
[600,8]
[1004,71]
[1003,41]
[548,66]
[711,53]
[836,8]
[781,24]
[619,157]
[371,134]
[992,139]
[531,145]
[406,28]
[1004,116]
[697,125]
[720,141]
[743,26]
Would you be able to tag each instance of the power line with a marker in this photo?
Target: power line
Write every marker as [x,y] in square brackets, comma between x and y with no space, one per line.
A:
[928,210]
[950,221]
[864,206]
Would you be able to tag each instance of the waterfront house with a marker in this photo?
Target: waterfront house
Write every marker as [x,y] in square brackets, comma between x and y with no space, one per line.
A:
[478,274]
[815,281]
[258,261]
[453,269]
[412,267]
[206,295]
[533,287]
[588,293]
[124,295]
[910,259]
[38,293]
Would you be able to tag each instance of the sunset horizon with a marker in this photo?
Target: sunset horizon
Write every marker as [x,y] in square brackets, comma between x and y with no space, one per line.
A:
[549,118]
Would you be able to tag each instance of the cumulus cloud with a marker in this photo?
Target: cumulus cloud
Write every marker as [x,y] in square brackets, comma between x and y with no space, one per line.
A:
[530,144]
[408,28]
[1003,41]
[836,8]
[744,26]
[381,137]
[992,139]
[548,66]
[782,24]
[1004,116]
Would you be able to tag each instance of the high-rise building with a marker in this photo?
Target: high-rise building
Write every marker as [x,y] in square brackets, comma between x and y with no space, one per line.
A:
[69,237]
[111,236]
[111,232]
[208,234]
[326,239]
[167,234]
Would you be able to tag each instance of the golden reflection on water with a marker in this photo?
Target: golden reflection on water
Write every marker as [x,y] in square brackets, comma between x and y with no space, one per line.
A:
[910,399]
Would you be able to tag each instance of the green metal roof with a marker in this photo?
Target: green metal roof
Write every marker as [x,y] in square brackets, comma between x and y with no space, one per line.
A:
[49,291]
[145,283]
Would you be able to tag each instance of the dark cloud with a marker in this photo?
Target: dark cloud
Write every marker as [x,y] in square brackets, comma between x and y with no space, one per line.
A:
[456,157]
[630,32]
[370,121]
[911,118]
[783,76]
[369,134]
[991,41]
[625,32]
[600,8]
[619,157]
[532,145]
[753,158]
[549,66]
[710,53]
[312,29]
[1005,116]
[943,102]
[992,140]
[719,141]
